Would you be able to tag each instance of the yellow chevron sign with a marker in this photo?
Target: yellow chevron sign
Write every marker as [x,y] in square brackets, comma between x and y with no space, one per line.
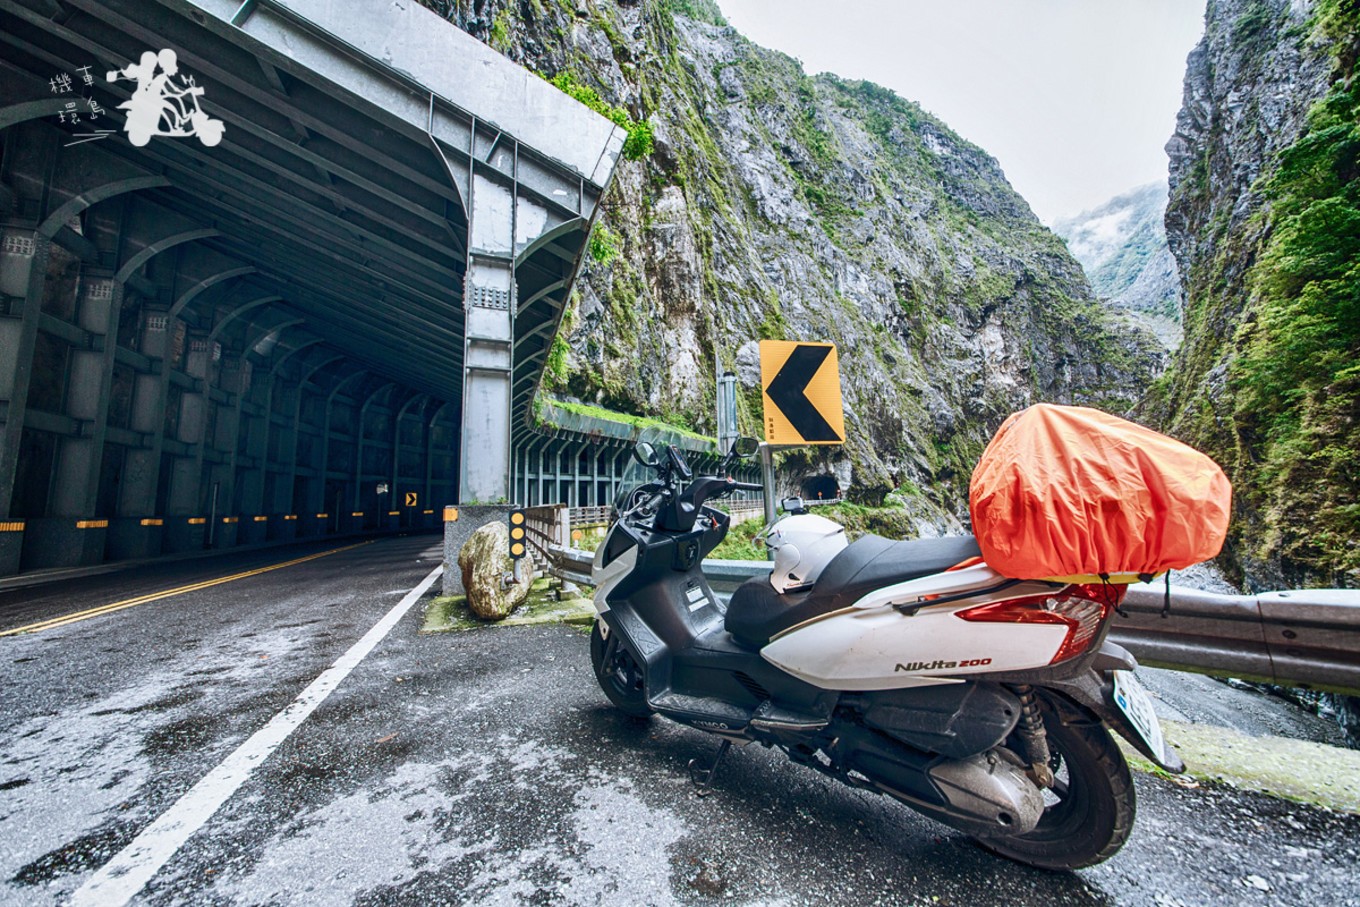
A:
[801,383]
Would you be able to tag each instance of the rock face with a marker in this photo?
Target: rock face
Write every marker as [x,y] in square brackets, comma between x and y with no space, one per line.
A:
[1263,222]
[1122,246]
[484,561]
[779,205]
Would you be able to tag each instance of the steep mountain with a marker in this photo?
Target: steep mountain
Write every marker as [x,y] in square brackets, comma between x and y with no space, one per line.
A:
[1264,221]
[773,204]
[1122,245]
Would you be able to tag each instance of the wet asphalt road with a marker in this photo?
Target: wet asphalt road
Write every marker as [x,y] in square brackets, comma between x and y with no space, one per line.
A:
[486,768]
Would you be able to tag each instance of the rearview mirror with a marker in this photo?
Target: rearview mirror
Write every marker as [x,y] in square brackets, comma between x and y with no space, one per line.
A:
[646,454]
[745,447]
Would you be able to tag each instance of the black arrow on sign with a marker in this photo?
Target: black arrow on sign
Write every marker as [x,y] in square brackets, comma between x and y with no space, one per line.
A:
[786,392]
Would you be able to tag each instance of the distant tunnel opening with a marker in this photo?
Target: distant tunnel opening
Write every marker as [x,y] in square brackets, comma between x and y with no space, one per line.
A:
[820,488]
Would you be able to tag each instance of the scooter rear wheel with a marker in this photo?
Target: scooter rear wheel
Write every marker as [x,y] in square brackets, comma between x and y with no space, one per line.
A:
[619,674]
[1090,808]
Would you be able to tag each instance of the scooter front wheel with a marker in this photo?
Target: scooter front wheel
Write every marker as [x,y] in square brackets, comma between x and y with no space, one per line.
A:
[619,674]
[1089,810]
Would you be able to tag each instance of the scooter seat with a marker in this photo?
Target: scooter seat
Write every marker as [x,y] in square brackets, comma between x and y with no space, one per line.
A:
[757,613]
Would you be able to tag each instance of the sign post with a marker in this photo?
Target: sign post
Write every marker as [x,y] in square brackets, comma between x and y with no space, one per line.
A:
[767,479]
[727,412]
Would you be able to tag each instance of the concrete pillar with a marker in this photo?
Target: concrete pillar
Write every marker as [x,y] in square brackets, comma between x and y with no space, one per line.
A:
[489,301]
[262,503]
[141,471]
[430,502]
[542,474]
[524,490]
[518,455]
[80,460]
[409,516]
[237,376]
[595,454]
[319,502]
[378,514]
[23,273]
[306,521]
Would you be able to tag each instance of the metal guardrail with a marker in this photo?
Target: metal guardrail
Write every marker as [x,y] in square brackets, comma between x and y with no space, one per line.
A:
[1298,638]
[546,527]
[1302,637]
[571,564]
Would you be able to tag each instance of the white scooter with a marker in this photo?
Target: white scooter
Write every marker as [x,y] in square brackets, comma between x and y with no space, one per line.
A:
[908,668]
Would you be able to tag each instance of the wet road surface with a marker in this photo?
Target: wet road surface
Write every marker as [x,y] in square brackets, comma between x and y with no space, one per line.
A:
[486,768]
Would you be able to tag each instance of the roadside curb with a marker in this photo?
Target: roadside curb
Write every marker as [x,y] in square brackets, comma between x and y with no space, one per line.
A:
[1314,773]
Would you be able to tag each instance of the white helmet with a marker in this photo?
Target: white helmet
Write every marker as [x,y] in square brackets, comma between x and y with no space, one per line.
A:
[803,545]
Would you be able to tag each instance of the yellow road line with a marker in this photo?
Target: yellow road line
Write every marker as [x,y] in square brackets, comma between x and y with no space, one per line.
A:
[154,596]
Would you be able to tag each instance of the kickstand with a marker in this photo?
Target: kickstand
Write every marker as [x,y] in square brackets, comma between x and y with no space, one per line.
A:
[702,778]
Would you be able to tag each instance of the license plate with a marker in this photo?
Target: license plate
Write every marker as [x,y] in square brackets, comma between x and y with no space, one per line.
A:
[1133,700]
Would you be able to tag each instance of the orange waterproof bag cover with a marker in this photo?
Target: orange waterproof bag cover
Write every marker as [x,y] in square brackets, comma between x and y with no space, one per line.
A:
[1065,491]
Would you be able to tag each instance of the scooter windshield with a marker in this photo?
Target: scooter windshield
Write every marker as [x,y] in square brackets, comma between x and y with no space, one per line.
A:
[640,481]
[635,476]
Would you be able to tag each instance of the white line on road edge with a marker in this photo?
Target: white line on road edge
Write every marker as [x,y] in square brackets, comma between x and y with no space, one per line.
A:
[132,867]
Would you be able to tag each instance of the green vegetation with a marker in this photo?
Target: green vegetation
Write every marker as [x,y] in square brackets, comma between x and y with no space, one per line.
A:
[773,326]
[860,519]
[891,522]
[451,613]
[741,543]
[698,10]
[500,29]
[987,287]
[1297,378]
[1253,25]
[604,244]
[638,422]
[638,145]
[556,368]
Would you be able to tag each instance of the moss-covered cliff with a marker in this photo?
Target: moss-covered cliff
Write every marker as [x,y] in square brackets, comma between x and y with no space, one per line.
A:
[778,205]
[1264,221]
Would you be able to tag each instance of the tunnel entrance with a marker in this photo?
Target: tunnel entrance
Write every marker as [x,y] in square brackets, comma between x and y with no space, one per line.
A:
[821,488]
[237,341]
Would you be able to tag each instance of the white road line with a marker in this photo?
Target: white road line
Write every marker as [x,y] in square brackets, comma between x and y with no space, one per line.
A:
[132,867]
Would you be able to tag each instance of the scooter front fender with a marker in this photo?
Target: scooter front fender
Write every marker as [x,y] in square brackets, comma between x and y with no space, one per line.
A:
[1109,692]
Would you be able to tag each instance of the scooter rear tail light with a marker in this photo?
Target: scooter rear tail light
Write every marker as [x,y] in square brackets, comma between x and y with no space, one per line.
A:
[1082,609]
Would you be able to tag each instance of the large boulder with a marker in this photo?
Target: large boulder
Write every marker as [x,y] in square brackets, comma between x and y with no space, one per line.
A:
[484,561]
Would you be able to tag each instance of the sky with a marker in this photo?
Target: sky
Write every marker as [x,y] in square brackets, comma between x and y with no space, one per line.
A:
[1075,98]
